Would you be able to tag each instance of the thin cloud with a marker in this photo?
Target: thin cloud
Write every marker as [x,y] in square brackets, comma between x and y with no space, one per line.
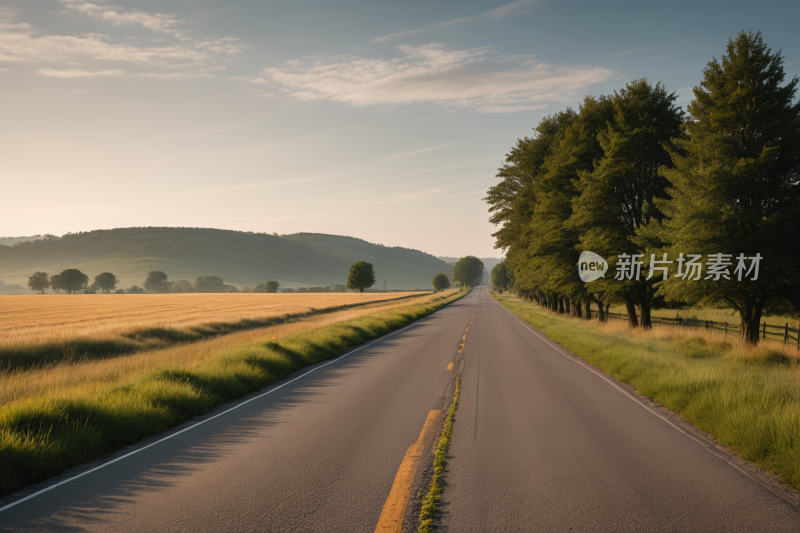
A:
[432,73]
[422,151]
[278,182]
[22,43]
[75,73]
[114,15]
[508,10]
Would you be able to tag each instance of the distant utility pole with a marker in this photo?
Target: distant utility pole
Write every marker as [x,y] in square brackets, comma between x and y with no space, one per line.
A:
[384,285]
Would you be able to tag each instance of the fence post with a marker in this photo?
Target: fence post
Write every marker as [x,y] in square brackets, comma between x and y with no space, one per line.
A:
[786,334]
[764,331]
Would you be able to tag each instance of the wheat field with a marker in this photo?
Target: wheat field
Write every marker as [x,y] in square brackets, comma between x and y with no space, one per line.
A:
[24,318]
[94,375]
[38,331]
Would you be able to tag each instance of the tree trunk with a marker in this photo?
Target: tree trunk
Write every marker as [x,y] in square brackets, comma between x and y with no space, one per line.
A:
[751,320]
[645,299]
[561,305]
[600,314]
[630,307]
[588,304]
[566,305]
[578,311]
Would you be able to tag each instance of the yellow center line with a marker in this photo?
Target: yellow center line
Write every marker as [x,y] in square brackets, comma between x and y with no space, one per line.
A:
[450,366]
[464,338]
[395,507]
[466,330]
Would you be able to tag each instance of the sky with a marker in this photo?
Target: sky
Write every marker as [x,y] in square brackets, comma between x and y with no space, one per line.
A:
[382,120]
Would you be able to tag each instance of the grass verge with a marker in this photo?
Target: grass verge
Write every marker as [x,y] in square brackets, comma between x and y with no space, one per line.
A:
[748,398]
[430,503]
[43,436]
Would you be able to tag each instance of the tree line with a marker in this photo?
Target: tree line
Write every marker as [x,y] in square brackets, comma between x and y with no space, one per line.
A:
[72,281]
[650,190]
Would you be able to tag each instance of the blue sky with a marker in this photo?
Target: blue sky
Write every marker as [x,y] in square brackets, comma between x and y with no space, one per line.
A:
[380,120]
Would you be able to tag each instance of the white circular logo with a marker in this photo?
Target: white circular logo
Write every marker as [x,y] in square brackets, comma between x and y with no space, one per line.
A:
[591,267]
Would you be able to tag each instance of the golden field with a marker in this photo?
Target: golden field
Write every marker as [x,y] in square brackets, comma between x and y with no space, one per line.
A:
[38,318]
[88,375]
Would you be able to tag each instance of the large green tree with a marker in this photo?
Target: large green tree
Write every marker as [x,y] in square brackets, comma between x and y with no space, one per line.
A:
[106,282]
[39,281]
[735,186]
[361,276]
[468,271]
[156,282]
[440,282]
[616,197]
[73,280]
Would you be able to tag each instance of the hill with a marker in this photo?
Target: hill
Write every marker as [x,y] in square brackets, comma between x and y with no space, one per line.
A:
[398,266]
[240,258]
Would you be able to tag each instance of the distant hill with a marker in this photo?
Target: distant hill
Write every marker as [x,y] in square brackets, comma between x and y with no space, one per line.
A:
[240,258]
[398,266]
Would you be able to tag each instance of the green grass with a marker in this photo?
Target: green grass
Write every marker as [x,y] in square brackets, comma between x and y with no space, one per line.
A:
[46,435]
[430,503]
[747,398]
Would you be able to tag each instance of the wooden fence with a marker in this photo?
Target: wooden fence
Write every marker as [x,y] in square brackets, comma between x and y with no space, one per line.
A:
[768,331]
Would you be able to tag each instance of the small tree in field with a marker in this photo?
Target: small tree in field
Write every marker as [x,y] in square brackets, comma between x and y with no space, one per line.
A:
[106,282]
[440,282]
[361,276]
[73,280]
[209,284]
[39,281]
[56,284]
[271,286]
[156,282]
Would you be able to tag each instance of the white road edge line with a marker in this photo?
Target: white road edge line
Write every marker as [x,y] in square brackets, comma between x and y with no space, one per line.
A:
[636,400]
[51,487]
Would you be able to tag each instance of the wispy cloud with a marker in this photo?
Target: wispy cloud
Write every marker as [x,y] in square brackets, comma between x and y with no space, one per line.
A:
[118,17]
[76,73]
[433,73]
[95,54]
[277,182]
[508,10]
[421,151]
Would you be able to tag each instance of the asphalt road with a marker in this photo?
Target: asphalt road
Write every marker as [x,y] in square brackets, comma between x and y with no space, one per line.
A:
[541,443]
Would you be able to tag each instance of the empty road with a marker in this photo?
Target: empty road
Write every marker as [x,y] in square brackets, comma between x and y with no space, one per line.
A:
[541,443]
